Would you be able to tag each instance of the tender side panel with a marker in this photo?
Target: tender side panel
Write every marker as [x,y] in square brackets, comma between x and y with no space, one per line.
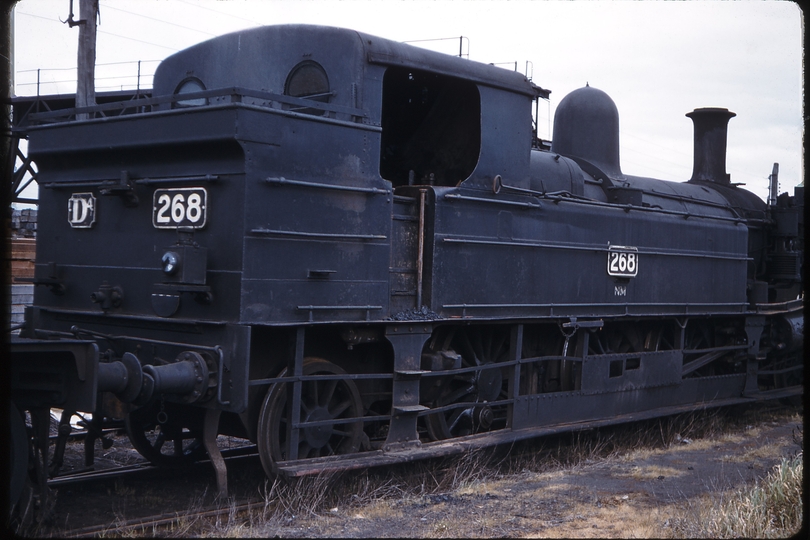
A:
[493,257]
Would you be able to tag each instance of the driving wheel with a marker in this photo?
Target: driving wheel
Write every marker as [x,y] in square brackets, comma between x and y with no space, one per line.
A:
[471,392]
[321,400]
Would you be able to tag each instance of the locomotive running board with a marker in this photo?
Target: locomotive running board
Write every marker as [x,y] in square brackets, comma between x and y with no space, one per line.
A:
[438,449]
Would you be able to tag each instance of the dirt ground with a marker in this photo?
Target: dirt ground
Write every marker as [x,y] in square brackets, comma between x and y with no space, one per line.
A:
[631,492]
[627,495]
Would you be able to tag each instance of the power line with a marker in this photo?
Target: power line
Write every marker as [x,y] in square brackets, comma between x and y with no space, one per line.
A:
[108,6]
[138,40]
[687,166]
[37,16]
[217,11]
[103,32]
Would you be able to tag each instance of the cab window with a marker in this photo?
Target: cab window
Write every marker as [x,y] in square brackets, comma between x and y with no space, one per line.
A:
[308,80]
[190,86]
[431,128]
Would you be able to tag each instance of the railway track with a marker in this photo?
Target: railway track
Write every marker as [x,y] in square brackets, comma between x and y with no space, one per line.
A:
[154,524]
[116,501]
[89,475]
[58,504]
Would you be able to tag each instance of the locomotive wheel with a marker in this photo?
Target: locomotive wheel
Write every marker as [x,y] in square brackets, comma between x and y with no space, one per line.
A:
[624,338]
[702,336]
[477,347]
[320,400]
[176,441]
[790,378]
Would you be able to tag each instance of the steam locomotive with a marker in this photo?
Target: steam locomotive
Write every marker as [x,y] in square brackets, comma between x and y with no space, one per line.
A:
[356,252]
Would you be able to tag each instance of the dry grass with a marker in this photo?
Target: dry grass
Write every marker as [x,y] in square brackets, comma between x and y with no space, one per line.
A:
[624,442]
[609,521]
[320,505]
[753,454]
[652,472]
[772,508]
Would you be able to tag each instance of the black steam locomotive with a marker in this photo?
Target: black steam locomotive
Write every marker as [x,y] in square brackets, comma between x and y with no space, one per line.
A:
[356,252]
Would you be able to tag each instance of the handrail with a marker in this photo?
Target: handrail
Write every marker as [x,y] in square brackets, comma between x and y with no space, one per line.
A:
[228,95]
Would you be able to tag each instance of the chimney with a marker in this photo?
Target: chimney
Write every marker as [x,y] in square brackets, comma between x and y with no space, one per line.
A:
[711,134]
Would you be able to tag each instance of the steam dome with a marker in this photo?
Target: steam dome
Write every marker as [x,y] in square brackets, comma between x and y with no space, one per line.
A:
[586,126]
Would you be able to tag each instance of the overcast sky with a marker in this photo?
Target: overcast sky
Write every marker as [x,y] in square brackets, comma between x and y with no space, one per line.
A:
[657,60]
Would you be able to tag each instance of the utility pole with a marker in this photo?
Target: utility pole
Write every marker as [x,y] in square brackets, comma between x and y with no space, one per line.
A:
[86,65]
[7,153]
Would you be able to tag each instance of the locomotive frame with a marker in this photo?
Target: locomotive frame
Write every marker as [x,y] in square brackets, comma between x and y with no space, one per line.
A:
[355,252]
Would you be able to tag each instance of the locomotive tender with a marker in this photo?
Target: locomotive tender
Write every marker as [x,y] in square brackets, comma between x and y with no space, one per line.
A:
[357,252]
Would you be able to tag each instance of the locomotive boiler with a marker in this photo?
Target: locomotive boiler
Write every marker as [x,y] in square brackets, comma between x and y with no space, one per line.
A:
[354,252]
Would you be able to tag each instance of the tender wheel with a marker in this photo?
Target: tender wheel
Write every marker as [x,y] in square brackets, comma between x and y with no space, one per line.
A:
[177,440]
[320,400]
[482,347]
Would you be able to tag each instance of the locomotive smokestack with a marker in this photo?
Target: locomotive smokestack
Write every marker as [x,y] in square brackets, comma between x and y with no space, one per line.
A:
[711,133]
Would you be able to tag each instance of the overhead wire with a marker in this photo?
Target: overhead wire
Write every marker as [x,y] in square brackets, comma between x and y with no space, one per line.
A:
[687,165]
[217,11]
[137,40]
[101,31]
[109,6]
[197,5]
[16,12]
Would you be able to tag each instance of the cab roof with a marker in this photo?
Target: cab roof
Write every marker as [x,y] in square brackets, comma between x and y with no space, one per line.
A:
[255,44]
